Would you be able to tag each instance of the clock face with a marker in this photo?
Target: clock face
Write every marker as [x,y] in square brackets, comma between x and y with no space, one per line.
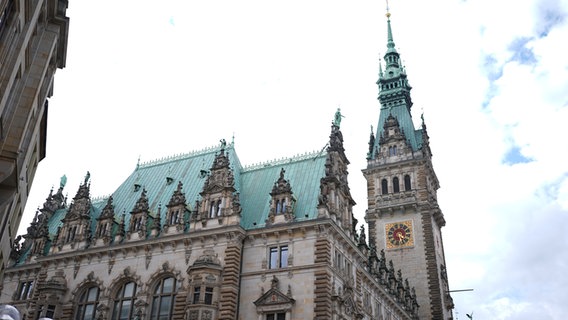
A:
[399,234]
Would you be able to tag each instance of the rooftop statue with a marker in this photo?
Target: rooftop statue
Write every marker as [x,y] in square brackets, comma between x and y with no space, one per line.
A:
[337,118]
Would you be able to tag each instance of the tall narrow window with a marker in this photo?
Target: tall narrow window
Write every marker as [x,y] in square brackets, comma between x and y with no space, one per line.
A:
[273,258]
[174,217]
[407,183]
[124,302]
[277,206]
[208,295]
[283,256]
[163,299]
[384,186]
[395,185]
[196,294]
[87,304]
[219,208]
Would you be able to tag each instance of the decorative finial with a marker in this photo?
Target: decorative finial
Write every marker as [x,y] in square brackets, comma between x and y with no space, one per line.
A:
[388,10]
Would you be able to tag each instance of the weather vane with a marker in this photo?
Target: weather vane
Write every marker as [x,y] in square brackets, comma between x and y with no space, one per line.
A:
[388,10]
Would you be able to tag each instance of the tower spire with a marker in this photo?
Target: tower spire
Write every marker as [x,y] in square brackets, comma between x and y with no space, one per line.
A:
[399,166]
[390,43]
[394,95]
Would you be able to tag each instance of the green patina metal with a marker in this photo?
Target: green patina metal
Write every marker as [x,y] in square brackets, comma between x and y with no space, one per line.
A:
[394,96]
[254,183]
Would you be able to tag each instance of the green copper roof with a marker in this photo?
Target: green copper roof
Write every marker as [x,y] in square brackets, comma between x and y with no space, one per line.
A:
[394,96]
[303,173]
[254,183]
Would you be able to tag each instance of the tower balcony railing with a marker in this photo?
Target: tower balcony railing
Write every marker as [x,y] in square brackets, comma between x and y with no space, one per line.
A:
[396,199]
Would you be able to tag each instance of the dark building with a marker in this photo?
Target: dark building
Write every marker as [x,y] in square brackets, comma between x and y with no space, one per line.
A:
[33,44]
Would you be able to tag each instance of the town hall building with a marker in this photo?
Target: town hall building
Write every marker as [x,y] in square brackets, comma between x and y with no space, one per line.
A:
[200,236]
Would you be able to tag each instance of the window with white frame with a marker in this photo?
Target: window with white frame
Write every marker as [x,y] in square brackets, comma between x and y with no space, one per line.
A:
[278,257]
[25,289]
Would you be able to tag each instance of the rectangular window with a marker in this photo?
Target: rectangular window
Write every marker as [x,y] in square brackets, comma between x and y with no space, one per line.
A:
[196,292]
[50,312]
[278,257]
[208,295]
[25,289]
[283,256]
[276,316]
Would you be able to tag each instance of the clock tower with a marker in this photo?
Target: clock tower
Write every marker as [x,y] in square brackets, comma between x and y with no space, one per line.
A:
[403,214]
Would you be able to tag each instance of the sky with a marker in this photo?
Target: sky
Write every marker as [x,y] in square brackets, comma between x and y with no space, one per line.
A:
[144,81]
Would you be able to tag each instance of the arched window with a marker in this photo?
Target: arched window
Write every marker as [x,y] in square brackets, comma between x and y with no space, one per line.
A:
[124,302]
[283,206]
[163,299]
[407,183]
[277,206]
[395,185]
[384,186]
[87,304]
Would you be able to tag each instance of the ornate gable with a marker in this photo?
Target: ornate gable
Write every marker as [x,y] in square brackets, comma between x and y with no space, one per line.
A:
[345,304]
[274,300]
[139,218]
[176,210]
[76,229]
[282,202]
[220,204]
[105,224]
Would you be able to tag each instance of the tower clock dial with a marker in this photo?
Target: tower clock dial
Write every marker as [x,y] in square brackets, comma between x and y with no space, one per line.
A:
[399,234]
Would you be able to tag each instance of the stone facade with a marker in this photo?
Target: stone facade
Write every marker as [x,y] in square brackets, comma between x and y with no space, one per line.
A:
[293,254]
[403,213]
[33,44]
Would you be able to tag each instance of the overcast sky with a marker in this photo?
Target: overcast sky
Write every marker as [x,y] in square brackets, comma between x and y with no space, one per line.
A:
[144,81]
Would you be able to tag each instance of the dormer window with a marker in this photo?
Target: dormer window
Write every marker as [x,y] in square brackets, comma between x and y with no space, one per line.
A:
[215,209]
[392,149]
[282,201]
[280,206]
[174,218]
